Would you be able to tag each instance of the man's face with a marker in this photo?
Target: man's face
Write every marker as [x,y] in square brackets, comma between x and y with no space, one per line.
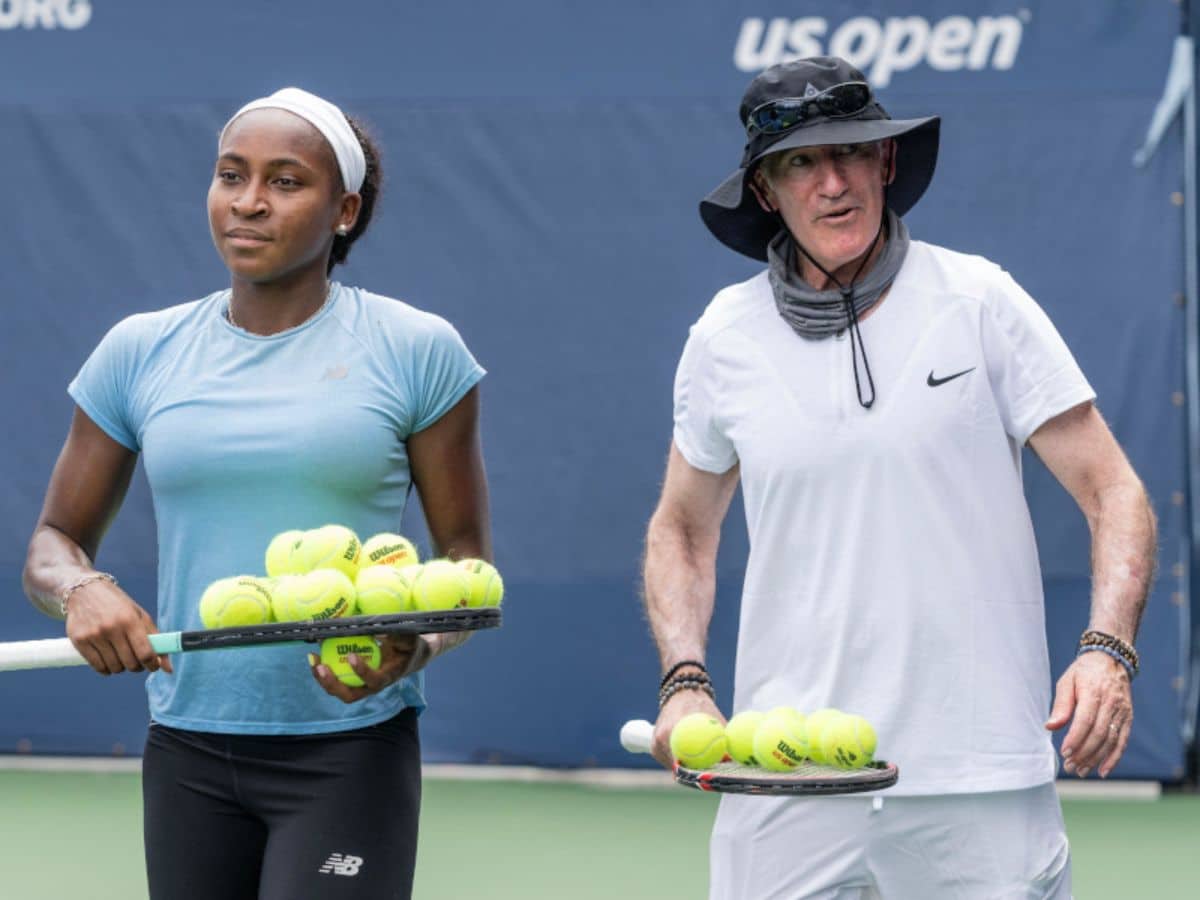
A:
[830,196]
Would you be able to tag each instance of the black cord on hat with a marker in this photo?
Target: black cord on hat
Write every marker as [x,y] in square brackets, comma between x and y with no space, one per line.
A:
[847,292]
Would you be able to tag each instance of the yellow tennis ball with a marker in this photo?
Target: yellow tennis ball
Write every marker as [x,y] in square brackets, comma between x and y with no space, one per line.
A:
[382,590]
[698,741]
[848,742]
[739,735]
[335,650]
[279,559]
[242,600]
[781,741]
[440,584]
[485,583]
[314,596]
[387,549]
[328,547]
[816,723]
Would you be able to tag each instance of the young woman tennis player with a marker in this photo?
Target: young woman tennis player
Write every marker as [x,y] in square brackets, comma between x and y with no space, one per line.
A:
[287,401]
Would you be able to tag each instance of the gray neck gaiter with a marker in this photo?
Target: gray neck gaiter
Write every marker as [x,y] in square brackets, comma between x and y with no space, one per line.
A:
[819,314]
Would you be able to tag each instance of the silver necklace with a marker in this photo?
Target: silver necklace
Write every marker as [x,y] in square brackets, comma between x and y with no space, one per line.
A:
[324,303]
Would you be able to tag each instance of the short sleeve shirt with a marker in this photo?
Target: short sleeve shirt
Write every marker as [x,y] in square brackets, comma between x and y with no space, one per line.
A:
[244,436]
[893,570]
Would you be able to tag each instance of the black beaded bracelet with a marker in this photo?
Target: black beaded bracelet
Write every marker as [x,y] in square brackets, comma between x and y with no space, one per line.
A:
[677,686]
[679,665]
[687,680]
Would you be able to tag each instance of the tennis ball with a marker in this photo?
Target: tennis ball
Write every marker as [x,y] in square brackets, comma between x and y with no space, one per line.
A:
[848,742]
[739,735]
[242,600]
[485,583]
[387,549]
[440,584]
[313,597]
[698,741]
[335,650]
[816,723]
[279,554]
[781,741]
[382,591]
[328,547]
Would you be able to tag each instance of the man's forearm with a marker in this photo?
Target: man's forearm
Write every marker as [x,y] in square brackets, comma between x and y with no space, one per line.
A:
[680,585]
[1124,550]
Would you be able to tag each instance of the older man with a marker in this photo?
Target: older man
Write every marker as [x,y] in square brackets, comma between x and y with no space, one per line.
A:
[872,394]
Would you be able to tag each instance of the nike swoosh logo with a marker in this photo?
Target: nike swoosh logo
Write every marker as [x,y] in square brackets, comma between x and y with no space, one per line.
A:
[934,382]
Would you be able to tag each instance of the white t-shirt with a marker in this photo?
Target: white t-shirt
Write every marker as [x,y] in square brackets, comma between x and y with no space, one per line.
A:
[893,570]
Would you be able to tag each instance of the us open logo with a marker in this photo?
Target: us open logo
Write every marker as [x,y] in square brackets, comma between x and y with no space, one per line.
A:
[880,48]
[44,14]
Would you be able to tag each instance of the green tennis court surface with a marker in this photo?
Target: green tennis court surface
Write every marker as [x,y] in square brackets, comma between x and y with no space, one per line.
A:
[79,835]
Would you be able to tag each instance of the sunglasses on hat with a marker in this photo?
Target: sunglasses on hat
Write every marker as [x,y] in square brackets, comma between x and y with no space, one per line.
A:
[837,102]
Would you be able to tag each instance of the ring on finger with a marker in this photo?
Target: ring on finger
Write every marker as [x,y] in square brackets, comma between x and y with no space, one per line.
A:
[1114,727]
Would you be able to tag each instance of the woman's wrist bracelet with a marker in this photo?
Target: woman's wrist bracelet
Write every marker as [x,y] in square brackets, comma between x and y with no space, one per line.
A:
[679,665]
[1130,669]
[91,578]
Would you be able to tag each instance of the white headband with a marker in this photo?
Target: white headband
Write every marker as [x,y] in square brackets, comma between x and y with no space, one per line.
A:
[327,119]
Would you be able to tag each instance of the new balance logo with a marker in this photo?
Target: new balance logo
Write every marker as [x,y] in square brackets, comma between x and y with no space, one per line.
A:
[335,373]
[341,865]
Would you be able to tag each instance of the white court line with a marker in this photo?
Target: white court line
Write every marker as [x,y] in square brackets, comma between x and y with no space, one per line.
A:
[610,778]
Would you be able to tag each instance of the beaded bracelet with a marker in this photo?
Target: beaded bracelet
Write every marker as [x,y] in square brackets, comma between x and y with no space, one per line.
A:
[679,665]
[1130,670]
[1092,638]
[678,686]
[685,681]
[65,594]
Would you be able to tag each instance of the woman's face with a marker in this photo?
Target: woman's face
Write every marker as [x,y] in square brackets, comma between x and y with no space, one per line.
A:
[276,198]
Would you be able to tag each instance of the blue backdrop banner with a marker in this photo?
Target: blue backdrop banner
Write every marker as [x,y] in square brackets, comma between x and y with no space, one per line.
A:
[544,161]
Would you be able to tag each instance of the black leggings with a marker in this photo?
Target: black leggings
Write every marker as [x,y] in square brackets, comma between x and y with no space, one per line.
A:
[305,817]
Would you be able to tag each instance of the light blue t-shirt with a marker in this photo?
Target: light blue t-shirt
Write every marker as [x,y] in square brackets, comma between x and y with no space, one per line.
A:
[245,436]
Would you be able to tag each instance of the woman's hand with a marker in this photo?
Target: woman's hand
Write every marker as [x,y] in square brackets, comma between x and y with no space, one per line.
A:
[401,655]
[111,631]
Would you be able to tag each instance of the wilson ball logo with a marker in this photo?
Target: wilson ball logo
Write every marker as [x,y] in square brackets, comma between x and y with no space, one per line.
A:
[30,14]
[880,48]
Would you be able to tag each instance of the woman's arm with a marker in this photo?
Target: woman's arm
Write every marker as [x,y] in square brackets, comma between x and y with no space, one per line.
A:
[447,469]
[86,489]
[447,466]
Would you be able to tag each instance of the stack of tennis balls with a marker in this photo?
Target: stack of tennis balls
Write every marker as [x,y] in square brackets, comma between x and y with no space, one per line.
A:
[785,738]
[779,740]
[327,572]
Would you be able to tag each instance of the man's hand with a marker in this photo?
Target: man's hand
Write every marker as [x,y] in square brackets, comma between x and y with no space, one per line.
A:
[402,654]
[1094,696]
[684,703]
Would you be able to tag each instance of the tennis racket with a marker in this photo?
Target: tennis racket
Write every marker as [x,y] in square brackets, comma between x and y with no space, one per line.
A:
[734,778]
[57,652]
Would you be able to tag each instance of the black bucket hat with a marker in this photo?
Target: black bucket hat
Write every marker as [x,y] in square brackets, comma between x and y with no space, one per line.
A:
[808,103]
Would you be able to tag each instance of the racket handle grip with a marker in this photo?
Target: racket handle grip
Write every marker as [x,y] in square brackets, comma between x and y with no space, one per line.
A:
[47,654]
[57,653]
[637,735]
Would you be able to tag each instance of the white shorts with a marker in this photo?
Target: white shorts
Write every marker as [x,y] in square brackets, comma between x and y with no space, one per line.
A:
[1001,845]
